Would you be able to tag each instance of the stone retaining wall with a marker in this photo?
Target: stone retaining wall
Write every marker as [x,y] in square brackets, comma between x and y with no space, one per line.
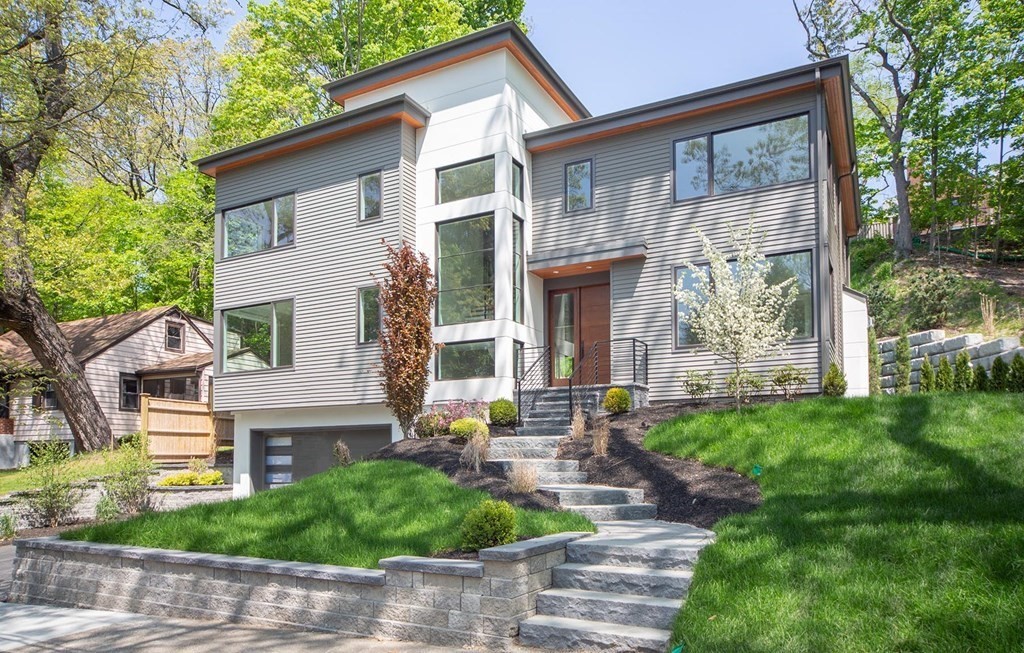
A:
[442,602]
[935,345]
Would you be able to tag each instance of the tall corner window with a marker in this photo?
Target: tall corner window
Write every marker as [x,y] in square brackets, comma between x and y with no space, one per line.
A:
[579,186]
[517,180]
[259,226]
[370,195]
[687,280]
[465,360]
[174,336]
[517,359]
[465,270]
[129,392]
[465,180]
[369,314]
[257,337]
[517,270]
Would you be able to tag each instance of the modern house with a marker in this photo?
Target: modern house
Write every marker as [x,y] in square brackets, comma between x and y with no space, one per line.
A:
[162,352]
[557,237]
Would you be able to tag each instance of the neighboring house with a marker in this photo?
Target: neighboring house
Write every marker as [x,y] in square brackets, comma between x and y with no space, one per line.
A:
[162,352]
[553,233]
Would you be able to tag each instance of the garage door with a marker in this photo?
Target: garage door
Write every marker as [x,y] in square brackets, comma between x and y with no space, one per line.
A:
[290,455]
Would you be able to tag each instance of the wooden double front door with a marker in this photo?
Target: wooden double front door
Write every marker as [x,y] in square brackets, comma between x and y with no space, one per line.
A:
[577,319]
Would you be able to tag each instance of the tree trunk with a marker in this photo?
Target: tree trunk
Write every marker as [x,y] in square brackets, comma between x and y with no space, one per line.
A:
[739,388]
[903,237]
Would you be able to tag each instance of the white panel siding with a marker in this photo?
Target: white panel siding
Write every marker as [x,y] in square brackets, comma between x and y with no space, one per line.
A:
[333,256]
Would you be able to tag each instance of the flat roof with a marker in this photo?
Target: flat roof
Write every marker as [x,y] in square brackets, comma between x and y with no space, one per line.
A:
[400,107]
[504,35]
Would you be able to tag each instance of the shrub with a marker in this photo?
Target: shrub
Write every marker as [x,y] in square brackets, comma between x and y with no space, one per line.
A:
[578,426]
[456,410]
[426,425]
[601,434]
[469,427]
[106,509]
[834,383]
[129,439]
[342,456]
[927,376]
[699,384]
[874,364]
[181,479]
[54,502]
[1015,377]
[522,477]
[198,465]
[788,379]
[902,378]
[616,401]
[944,377]
[127,484]
[930,295]
[503,412]
[492,523]
[475,453]
[213,477]
[45,452]
[743,384]
[981,382]
[963,375]
[999,373]
[8,527]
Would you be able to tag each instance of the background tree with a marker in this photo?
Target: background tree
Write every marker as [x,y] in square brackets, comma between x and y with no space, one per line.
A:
[407,295]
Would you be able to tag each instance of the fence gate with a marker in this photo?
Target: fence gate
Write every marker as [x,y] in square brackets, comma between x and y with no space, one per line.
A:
[178,430]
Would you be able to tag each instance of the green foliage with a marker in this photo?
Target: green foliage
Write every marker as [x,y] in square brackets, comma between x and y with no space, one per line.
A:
[981,380]
[130,439]
[834,383]
[1000,372]
[788,380]
[945,380]
[963,374]
[699,384]
[53,502]
[212,477]
[927,383]
[426,425]
[743,384]
[106,509]
[127,483]
[198,465]
[185,479]
[874,364]
[502,412]
[492,523]
[43,452]
[902,376]
[469,427]
[1015,377]
[616,401]
[8,526]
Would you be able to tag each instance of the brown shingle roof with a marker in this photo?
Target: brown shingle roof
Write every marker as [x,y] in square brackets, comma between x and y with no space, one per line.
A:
[186,363]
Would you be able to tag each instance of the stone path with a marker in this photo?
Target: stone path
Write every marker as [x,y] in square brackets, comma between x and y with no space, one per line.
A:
[6,569]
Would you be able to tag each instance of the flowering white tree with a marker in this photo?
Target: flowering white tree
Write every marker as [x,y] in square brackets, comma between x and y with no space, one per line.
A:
[731,307]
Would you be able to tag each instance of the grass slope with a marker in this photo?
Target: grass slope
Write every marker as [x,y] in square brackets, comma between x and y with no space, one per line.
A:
[888,524]
[81,467]
[350,516]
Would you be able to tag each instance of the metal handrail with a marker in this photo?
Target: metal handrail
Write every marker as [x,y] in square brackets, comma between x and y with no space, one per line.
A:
[533,378]
[638,353]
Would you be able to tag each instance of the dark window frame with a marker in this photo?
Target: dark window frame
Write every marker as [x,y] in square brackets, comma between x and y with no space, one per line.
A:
[710,136]
[815,299]
[437,266]
[359,315]
[359,191]
[565,186]
[517,353]
[181,335]
[462,164]
[518,190]
[121,394]
[222,254]
[39,400]
[222,331]
[437,359]
[520,306]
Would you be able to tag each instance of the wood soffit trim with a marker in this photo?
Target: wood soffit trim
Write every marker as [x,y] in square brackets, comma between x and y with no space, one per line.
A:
[835,108]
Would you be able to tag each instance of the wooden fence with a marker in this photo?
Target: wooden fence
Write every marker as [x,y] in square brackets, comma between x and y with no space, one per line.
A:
[178,430]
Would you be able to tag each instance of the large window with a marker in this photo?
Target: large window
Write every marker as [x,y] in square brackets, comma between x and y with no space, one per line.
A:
[129,392]
[465,360]
[259,226]
[465,180]
[579,187]
[783,266]
[465,270]
[517,270]
[749,157]
[369,314]
[257,337]
[370,196]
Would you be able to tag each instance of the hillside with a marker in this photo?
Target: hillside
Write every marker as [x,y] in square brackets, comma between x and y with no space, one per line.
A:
[926,293]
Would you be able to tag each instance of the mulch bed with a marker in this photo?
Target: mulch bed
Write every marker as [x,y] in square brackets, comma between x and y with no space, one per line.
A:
[684,490]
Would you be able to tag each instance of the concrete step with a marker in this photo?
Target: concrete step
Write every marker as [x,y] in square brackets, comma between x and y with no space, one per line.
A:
[557,420]
[554,431]
[561,633]
[542,464]
[643,581]
[523,453]
[546,412]
[616,512]
[558,478]
[594,495]
[641,543]
[518,441]
[624,609]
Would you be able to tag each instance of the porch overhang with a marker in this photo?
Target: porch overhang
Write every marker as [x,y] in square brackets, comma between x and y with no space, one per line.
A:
[585,259]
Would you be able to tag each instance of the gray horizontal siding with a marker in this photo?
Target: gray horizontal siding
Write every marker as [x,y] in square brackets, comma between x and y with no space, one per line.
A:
[334,254]
[633,199]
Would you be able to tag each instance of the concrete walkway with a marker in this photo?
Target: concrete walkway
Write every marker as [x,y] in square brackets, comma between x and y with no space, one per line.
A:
[6,569]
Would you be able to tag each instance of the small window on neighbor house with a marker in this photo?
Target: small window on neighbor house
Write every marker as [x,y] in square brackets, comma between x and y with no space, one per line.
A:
[579,187]
[465,360]
[129,392]
[465,180]
[174,336]
[46,398]
[369,314]
[517,180]
[370,196]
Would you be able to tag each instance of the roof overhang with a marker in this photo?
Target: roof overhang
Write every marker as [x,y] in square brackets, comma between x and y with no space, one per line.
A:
[839,111]
[505,35]
[584,259]
[399,108]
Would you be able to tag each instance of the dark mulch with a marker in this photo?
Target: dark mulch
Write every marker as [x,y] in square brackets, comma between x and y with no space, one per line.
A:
[684,490]
[442,453]
[26,533]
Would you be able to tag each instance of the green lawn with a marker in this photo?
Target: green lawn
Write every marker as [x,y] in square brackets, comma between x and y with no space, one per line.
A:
[350,516]
[81,467]
[888,524]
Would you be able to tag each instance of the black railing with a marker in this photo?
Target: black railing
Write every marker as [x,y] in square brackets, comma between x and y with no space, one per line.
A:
[605,362]
[533,373]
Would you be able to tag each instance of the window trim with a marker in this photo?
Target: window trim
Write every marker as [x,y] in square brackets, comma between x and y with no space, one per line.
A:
[815,300]
[522,270]
[359,193]
[437,265]
[121,378]
[437,359]
[515,358]
[359,315]
[440,169]
[521,190]
[39,398]
[710,136]
[221,332]
[565,186]
[181,325]
[222,255]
